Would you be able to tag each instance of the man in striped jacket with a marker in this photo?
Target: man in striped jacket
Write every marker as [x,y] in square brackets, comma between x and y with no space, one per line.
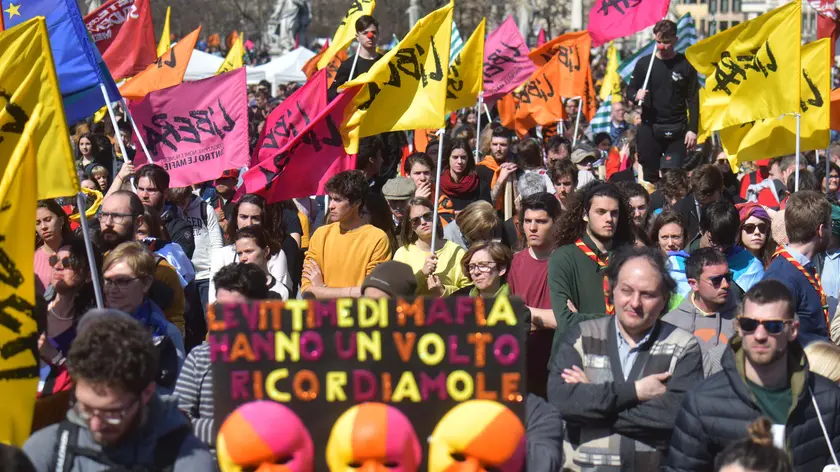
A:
[618,381]
[235,283]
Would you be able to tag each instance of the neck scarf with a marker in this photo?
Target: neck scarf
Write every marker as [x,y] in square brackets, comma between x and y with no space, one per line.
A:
[461,189]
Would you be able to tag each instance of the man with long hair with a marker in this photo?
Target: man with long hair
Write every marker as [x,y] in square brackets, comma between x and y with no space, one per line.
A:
[596,223]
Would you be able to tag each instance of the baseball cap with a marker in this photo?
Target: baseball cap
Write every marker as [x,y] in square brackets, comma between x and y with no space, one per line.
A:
[582,152]
[398,188]
[394,278]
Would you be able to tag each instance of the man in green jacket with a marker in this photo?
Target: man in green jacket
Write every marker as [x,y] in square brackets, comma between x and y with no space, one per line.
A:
[596,224]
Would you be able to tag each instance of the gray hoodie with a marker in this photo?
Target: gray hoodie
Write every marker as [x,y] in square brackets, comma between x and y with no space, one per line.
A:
[135,450]
[710,329]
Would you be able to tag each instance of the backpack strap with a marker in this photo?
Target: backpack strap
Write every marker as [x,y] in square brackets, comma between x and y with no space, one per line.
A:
[203,212]
[169,447]
[68,450]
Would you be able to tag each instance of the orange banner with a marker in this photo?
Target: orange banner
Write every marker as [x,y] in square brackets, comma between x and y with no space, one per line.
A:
[168,70]
[572,53]
[835,109]
[536,102]
[311,67]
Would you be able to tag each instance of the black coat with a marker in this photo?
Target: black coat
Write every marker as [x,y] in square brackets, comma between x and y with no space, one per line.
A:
[717,413]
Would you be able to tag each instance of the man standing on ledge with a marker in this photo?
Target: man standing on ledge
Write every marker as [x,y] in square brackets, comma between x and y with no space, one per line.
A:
[367,31]
[667,132]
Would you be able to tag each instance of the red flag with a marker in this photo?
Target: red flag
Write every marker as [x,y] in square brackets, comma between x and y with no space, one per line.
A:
[292,115]
[611,19]
[827,15]
[307,161]
[541,38]
[122,31]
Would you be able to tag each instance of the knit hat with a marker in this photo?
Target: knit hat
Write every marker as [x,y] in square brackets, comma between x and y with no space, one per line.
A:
[398,188]
[394,278]
[581,152]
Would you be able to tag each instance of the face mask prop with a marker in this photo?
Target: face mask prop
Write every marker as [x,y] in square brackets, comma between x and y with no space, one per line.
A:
[373,437]
[476,436]
[264,436]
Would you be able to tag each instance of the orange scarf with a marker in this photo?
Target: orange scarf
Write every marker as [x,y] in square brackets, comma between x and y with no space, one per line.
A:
[490,163]
[602,265]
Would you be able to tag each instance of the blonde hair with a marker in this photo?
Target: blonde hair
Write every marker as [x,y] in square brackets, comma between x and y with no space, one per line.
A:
[484,140]
[824,359]
[100,171]
[135,256]
[477,220]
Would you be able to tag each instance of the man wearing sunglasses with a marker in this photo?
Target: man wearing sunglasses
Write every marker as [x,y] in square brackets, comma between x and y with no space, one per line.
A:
[709,310]
[765,373]
[117,421]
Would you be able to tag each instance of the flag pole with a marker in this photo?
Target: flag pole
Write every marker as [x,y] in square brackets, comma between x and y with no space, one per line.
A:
[798,131]
[97,288]
[136,131]
[477,124]
[441,132]
[116,128]
[355,60]
[827,167]
[647,75]
[577,120]
[487,113]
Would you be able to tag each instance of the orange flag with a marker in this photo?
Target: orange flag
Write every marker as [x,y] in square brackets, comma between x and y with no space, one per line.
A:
[231,39]
[311,67]
[835,109]
[168,70]
[572,53]
[422,138]
[536,102]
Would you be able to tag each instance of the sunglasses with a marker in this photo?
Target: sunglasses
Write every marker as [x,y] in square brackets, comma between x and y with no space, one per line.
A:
[718,279]
[750,228]
[427,217]
[749,325]
[65,261]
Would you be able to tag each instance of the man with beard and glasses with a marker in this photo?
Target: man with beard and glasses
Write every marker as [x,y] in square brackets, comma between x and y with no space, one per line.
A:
[117,421]
[496,168]
[596,223]
[120,216]
[765,373]
[808,224]
[618,381]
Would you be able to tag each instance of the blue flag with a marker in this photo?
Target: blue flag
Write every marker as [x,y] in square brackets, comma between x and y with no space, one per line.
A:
[78,64]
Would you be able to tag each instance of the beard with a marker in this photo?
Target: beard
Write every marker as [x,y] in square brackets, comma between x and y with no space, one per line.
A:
[108,239]
[764,358]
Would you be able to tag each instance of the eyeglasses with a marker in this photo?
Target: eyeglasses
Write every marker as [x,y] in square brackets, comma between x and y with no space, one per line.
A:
[119,218]
[718,279]
[65,262]
[427,217]
[834,176]
[120,283]
[112,417]
[481,267]
[749,325]
[750,228]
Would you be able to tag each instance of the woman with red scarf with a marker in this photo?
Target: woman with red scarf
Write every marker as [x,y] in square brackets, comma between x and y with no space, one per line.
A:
[460,184]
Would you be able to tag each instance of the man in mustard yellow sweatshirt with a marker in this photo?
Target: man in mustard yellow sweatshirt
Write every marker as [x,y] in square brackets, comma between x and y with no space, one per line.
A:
[342,253]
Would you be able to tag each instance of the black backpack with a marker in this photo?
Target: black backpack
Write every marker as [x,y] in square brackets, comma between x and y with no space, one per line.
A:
[166,451]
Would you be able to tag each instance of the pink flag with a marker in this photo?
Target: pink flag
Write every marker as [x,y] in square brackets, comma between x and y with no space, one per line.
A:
[294,114]
[541,38]
[303,166]
[506,63]
[195,130]
[611,19]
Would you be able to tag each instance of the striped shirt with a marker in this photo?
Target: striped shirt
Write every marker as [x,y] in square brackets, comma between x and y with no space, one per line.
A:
[194,390]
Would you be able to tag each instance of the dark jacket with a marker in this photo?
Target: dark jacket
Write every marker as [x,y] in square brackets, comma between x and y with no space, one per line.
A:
[544,431]
[180,230]
[607,425]
[717,413]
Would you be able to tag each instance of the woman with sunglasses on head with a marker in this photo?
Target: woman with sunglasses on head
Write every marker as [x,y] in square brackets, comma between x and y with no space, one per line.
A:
[52,228]
[487,263]
[755,233]
[128,274]
[250,210]
[438,272]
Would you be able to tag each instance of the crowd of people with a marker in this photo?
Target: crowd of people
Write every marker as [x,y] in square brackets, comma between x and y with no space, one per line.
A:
[681,316]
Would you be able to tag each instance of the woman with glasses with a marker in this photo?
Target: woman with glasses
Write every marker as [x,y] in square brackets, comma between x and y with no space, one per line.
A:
[52,228]
[128,273]
[831,185]
[254,247]
[69,296]
[487,263]
[438,272]
[755,233]
[251,210]
[668,232]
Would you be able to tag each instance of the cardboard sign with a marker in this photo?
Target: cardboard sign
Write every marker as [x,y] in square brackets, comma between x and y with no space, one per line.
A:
[328,361]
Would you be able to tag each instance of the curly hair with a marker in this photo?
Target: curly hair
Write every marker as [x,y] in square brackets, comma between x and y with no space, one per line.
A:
[92,356]
[350,184]
[572,225]
[247,279]
[674,185]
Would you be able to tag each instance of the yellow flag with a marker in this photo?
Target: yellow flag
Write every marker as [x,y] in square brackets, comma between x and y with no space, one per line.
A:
[346,31]
[28,78]
[406,88]
[234,57]
[774,137]
[18,329]
[751,69]
[612,81]
[466,73]
[164,43]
